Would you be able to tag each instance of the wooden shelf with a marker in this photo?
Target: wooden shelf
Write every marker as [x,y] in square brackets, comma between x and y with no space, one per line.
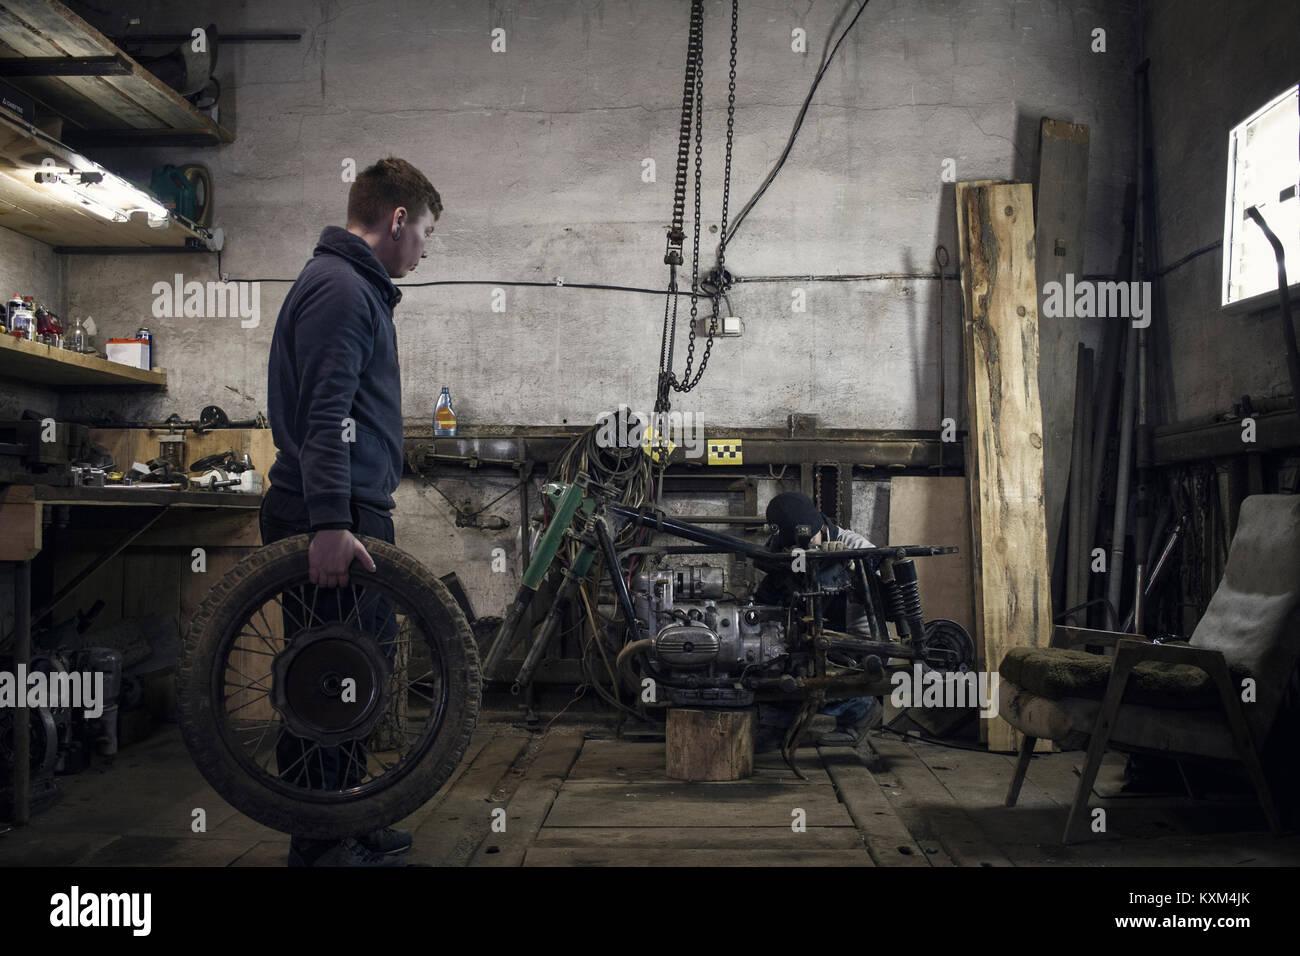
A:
[60,368]
[126,495]
[126,105]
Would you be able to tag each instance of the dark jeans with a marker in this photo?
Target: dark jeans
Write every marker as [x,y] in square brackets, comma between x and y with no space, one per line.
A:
[284,515]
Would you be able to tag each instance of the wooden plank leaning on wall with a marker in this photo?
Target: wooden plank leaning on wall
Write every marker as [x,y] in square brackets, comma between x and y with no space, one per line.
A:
[1060,219]
[1004,450]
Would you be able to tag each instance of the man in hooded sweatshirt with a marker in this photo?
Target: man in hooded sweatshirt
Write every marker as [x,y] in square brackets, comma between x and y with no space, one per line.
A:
[335,406]
[785,513]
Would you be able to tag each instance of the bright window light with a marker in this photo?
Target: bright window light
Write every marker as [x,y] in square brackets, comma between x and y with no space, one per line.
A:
[1263,171]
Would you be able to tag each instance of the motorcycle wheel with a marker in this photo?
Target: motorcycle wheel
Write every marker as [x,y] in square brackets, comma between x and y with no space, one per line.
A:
[299,704]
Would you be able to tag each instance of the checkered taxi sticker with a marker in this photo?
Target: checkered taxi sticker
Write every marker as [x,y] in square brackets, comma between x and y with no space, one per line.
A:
[726,452]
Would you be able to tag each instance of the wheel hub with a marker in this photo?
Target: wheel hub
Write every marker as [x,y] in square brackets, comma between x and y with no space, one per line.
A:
[331,684]
[948,647]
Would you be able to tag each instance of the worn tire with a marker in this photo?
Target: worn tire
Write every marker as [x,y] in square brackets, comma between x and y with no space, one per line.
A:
[200,701]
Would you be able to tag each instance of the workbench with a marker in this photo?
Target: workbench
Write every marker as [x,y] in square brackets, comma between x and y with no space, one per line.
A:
[22,513]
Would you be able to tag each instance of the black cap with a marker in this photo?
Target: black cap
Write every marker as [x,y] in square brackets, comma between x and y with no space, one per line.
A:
[788,510]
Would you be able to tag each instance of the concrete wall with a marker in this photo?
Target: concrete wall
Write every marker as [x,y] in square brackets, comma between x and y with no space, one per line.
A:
[1212,65]
[538,153]
[31,268]
[28,267]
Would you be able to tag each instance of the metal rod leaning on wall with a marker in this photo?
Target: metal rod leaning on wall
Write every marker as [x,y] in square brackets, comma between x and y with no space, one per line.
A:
[1148,250]
[1088,493]
[1284,294]
[1127,410]
[1123,469]
[1076,542]
[1102,421]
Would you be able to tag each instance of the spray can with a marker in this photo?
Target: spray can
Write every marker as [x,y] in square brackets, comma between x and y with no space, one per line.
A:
[444,416]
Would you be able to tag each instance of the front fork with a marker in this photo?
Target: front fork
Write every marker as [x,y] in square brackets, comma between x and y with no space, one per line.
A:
[571,502]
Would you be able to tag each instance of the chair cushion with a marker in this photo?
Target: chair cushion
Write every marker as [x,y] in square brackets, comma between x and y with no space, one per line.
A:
[1070,721]
[1058,673]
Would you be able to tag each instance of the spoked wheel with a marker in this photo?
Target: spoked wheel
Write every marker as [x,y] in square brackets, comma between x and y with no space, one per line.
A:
[328,712]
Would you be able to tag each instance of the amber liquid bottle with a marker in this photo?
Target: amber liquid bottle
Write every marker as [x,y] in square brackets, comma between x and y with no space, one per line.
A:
[444,416]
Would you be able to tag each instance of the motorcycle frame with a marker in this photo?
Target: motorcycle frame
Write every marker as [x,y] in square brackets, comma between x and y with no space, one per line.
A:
[582,511]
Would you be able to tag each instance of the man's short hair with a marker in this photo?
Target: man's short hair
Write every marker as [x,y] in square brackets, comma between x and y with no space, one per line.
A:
[390,183]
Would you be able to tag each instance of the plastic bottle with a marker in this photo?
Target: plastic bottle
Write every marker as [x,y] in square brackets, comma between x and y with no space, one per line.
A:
[444,416]
[22,325]
[44,326]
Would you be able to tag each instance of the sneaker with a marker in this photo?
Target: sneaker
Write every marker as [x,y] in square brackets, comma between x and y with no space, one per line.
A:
[851,735]
[838,738]
[386,842]
[347,852]
[819,725]
[770,738]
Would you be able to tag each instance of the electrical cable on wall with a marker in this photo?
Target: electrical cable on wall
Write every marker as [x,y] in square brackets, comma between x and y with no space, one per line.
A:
[798,124]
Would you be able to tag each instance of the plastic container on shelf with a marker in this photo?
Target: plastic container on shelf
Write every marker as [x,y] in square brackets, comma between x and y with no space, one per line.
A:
[444,416]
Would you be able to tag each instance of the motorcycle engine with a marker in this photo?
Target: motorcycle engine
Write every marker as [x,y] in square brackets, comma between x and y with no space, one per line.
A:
[700,638]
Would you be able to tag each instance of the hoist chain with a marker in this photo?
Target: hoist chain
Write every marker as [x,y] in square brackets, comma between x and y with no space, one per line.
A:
[693,119]
[694,51]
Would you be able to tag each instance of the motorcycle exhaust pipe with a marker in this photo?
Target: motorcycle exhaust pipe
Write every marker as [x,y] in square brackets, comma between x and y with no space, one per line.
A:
[549,627]
[505,639]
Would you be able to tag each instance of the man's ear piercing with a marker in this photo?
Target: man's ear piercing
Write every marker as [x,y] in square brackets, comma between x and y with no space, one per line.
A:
[397,233]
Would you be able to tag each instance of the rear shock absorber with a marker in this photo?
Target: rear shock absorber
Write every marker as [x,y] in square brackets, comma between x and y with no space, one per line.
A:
[903,596]
[889,589]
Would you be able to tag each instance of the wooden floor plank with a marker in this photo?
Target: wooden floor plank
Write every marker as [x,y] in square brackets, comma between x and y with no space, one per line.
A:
[1057,775]
[1033,789]
[621,761]
[909,809]
[102,815]
[978,781]
[886,835]
[482,736]
[528,806]
[950,824]
[452,832]
[978,778]
[707,838]
[596,856]
[743,803]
